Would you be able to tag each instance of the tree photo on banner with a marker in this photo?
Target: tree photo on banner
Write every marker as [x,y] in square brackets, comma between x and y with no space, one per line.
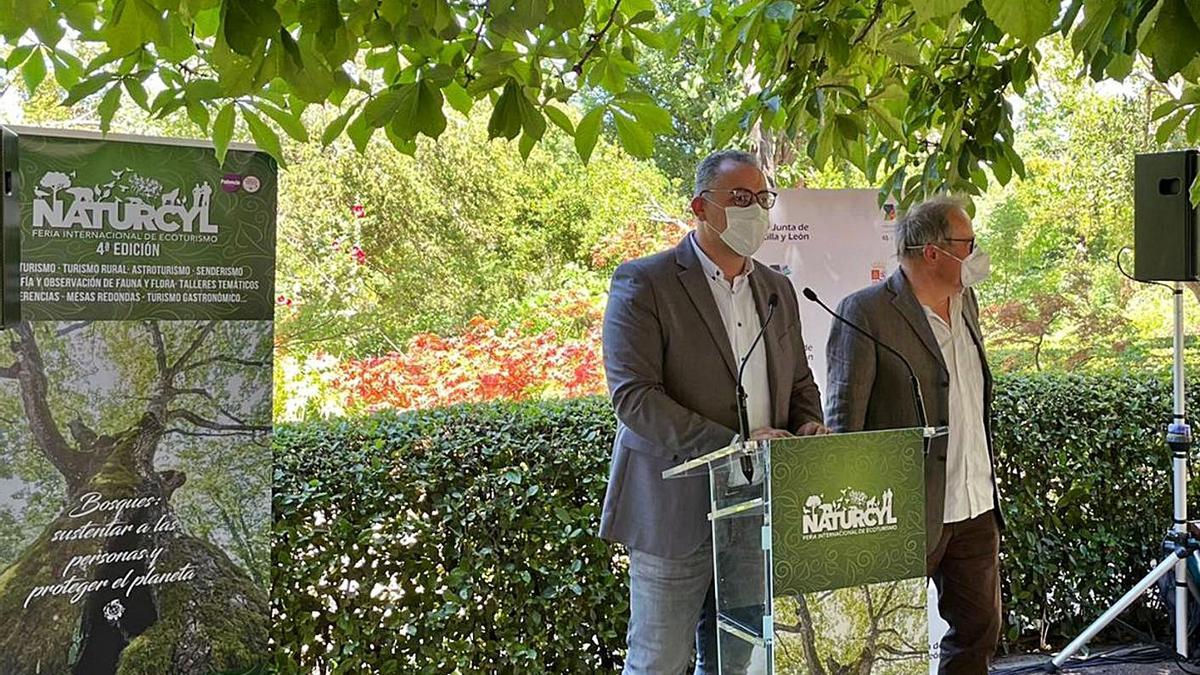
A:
[138,458]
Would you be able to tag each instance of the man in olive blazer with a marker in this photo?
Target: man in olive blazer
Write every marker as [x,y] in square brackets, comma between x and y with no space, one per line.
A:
[927,311]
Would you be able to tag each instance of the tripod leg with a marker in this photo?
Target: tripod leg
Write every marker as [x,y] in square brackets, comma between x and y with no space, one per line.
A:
[1181,613]
[1126,600]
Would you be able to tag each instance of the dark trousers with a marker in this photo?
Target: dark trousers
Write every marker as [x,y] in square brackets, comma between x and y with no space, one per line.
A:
[965,567]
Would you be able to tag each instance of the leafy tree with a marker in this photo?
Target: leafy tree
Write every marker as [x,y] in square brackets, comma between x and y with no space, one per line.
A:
[880,628]
[912,93]
[264,62]
[1056,298]
[377,248]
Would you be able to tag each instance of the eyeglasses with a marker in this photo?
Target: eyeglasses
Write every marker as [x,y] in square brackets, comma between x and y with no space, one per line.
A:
[970,243]
[743,197]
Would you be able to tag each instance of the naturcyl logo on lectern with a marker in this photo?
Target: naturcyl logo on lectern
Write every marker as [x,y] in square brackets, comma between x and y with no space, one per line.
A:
[852,512]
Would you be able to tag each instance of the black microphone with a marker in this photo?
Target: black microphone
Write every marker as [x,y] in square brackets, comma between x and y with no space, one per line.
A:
[912,374]
[743,419]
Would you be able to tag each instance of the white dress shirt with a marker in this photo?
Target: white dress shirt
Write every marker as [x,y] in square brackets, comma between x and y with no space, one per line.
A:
[968,466]
[742,323]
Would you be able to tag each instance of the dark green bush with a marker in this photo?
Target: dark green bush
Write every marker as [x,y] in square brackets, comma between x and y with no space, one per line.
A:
[1086,481]
[480,521]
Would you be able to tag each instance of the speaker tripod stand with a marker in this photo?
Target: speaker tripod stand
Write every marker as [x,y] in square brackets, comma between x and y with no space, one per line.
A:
[1185,541]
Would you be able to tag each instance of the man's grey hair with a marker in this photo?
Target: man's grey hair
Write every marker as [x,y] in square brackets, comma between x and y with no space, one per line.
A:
[710,167]
[925,223]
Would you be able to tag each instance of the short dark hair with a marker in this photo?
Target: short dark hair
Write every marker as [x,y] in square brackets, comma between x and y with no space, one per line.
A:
[709,167]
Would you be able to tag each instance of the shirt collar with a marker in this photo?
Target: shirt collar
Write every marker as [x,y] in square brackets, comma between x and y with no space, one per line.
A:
[710,268]
[956,307]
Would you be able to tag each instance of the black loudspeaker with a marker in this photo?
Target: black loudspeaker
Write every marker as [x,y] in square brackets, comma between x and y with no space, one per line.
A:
[1165,236]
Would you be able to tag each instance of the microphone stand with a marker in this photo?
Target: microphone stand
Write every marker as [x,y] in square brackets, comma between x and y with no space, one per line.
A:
[918,400]
[743,418]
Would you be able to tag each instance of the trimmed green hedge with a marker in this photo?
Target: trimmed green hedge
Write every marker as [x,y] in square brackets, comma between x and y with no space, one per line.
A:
[464,539]
[1086,483]
[457,539]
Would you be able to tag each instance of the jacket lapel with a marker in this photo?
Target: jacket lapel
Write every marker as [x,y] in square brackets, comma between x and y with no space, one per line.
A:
[696,286]
[971,306]
[908,306]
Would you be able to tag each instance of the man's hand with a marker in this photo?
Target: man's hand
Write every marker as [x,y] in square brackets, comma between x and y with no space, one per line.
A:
[767,433]
[812,429]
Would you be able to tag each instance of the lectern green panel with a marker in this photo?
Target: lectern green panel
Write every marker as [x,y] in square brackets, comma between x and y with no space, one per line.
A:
[847,510]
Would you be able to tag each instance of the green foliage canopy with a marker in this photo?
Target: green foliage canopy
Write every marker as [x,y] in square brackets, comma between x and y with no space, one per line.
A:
[912,93]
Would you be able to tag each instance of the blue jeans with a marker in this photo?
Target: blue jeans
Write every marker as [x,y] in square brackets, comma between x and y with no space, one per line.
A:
[671,609]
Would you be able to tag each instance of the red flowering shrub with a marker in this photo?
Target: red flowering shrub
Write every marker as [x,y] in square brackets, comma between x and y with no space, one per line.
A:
[482,364]
[633,240]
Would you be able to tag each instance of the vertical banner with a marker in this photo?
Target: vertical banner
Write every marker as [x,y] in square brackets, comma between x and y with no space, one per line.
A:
[135,410]
[834,241]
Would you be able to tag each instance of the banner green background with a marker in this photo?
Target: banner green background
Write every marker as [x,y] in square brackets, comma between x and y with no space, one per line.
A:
[122,175]
[826,466]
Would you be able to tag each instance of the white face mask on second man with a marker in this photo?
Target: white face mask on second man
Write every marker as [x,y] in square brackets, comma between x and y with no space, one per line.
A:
[745,228]
[974,268]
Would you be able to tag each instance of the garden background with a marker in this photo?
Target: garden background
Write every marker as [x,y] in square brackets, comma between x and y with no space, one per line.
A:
[439,383]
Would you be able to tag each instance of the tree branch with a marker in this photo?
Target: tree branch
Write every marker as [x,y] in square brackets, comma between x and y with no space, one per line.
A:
[804,619]
[160,348]
[227,359]
[205,434]
[201,336]
[31,373]
[900,608]
[204,393]
[467,74]
[901,655]
[870,24]
[72,328]
[216,426]
[596,39]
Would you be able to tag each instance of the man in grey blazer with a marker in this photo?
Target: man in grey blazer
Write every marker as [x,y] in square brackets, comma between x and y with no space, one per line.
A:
[927,311]
[677,325]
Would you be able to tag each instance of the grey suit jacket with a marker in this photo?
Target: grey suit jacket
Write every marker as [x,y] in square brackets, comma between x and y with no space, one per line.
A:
[869,388]
[671,374]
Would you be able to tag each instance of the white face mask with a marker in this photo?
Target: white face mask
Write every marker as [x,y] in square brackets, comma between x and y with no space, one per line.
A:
[974,268]
[745,228]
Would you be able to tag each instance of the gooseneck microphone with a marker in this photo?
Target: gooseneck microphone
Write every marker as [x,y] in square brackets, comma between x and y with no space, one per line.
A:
[912,375]
[743,420]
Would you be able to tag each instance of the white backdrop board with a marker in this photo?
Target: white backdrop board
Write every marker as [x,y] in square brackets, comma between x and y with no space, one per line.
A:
[834,241]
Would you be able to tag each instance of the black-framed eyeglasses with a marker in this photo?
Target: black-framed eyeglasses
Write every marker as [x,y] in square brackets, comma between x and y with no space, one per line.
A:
[744,197]
[970,243]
